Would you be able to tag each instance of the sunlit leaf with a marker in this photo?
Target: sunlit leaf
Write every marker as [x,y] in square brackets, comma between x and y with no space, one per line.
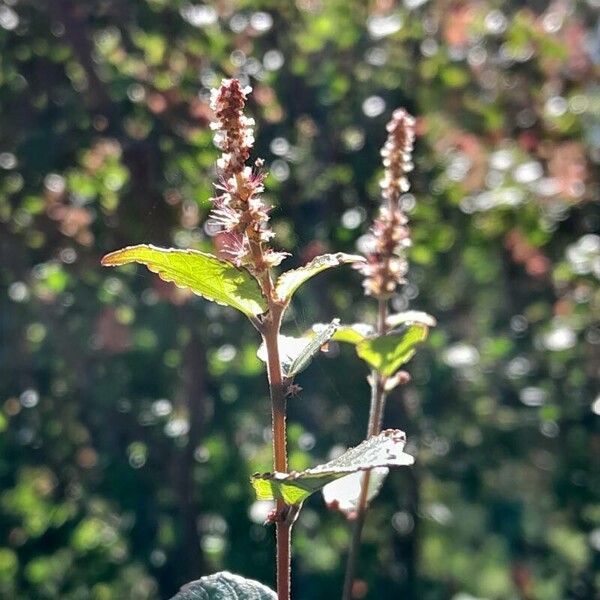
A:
[357,332]
[204,274]
[225,586]
[351,334]
[344,494]
[315,344]
[296,353]
[410,316]
[387,353]
[290,348]
[383,450]
[291,280]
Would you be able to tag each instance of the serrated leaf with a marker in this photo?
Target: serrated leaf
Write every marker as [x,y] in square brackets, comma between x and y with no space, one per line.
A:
[313,347]
[296,353]
[410,316]
[344,494]
[225,586]
[357,332]
[351,334]
[202,273]
[387,353]
[383,450]
[291,280]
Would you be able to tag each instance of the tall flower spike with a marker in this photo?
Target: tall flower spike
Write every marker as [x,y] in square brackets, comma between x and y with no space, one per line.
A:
[386,265]
[238,211]
[234,134]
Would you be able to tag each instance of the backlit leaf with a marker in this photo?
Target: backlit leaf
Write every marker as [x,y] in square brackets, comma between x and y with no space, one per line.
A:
[351,334]
[313,347]
[387,353]
[383,450]
[344,494]
[296,353]
[291,280]
[202,273]
[410,316]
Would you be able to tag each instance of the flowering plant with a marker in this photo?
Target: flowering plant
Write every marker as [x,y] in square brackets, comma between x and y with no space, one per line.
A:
[241,276]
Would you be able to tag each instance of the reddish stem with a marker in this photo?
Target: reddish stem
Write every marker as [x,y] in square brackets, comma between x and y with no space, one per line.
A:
[374,427]
[270,331]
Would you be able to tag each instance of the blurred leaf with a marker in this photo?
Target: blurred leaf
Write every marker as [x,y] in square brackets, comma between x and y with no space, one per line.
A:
[383,450]
[225,586]
[409,317]
[291,280]
[202,273]
[387,353]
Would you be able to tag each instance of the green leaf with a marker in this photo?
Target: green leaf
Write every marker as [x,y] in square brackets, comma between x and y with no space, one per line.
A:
[344,494]
[387,353]
[410,316]
[357,332]
[289,349]
[296,353]
[383,450]
[225,586]
[202,273]
[351,334]
[291,280]
[314,345]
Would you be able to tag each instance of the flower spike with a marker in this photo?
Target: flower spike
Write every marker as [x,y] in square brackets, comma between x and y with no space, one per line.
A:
[239,212]
[386,265]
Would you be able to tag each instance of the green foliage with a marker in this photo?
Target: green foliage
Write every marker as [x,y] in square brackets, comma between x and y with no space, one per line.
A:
[410,317]
[297,353]
[225,586]
[202,273]
[383,450]
[353,334]
[290,281]
[303,358]
[387,353]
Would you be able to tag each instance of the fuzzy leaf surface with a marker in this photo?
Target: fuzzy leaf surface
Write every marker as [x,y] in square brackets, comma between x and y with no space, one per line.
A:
[291,280]
[383,450]
[202,273]
[225,586]
[387,353]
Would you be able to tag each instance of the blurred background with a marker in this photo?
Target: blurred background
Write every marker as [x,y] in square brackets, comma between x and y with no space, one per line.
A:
[132,414]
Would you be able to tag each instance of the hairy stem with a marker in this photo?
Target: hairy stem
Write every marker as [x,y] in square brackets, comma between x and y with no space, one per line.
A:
[270,332]
[374,427]
[269,329]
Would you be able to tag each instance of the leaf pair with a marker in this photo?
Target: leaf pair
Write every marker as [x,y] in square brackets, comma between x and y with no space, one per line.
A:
[383,450]
[387,353]
[218,280]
